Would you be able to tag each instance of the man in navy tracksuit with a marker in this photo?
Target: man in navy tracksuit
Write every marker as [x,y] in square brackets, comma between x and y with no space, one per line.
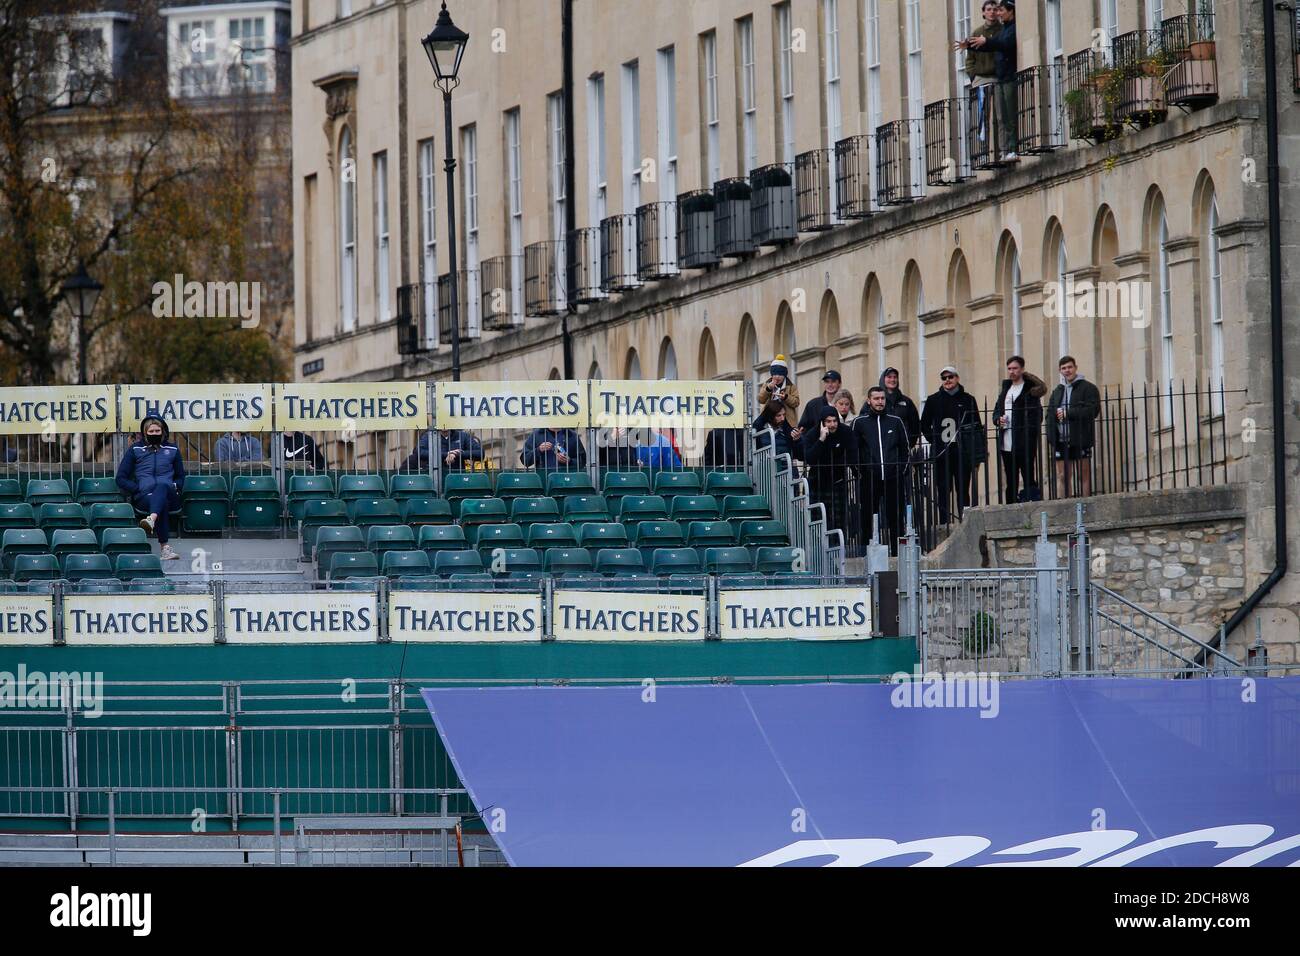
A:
[152,473]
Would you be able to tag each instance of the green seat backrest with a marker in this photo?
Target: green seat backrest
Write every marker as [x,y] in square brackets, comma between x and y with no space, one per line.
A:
[368,511]
[78,567]
[11,489]
[642,508]
[602,535]
[520,561]
[361,486]
[449,562]
[63,515]
[616,484]
[694,508]
[529,510]
[426,510]
[620,561]
[483,511]
[441,537]
[401,487]
[497,536]
[121,540]
[324,510]
[16,541]
[404,563]
[774,560]
[518,484]
[352,564]
[563,483]
[728,483]
[728,560]
[737,507]
[567,560]
[254,486]
[205,486]
[585,508]
[40,490]
[755,533]
[553,535]
[18,515]
[675,561]
[112,515]
[390,537]
[658,534]
[336,536]
[677,483]
[68,540]
[467,484]
[34,567]
[311,486]
[90,490]
[711,533]
[130,566]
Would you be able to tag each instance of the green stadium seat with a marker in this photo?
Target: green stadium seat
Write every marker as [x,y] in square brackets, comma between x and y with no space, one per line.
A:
[406,564]
[526,511]
[684,582]
[598,535]
[561,484]
[727,561]
[556,535]
[759,533]
[304,488]
[359,582]
[642,508]
[470,581]
[93,490]
[257,501]
[132,566]
[658,534]
[694,508]
[466,484]
[317,513]
[83,567]
[352,487]
[36,567]
[451,562]
[617,484]
[669,483]
[368,512]
[334,539]
[204,503]
[441,537]
[619,561]
[742,507]
[205,486]
[775,560]
[488,537]
[150,586]
[118,541]
[742,581]
[11,491]
[19,515]
[67,541]
[567,561]
[106,515]
[16,541]
[51,517]
[577,509]
[720,483]
[382,539]
[352,564]
[483,511]
[98,586]
[667,561]
[710,534]
[515,561]
[404,487]
[427,510]
[42,491]
[519,484]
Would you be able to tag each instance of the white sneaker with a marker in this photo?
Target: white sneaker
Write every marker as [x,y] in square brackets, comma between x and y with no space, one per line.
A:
[1010,158]
[169,553]
[146,523]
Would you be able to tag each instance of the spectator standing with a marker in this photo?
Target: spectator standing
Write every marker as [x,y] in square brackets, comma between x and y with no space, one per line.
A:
[896,403]
[846,406]
[1003,47]
[981,67]
[948,423]
[830,452]
[883,459]
[724,448]
[238,446]
[456,449]
[301,447]
[554,449]
[1071,411]
[151,474]
[779,388]
[816,409]
[776,417]
[1019,419]
[659,450]
[617,450]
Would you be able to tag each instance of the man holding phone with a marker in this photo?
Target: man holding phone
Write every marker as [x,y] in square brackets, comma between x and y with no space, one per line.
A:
[554,449]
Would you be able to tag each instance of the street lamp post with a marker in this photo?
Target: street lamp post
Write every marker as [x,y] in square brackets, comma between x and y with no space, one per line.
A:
[445,46]
[81,293]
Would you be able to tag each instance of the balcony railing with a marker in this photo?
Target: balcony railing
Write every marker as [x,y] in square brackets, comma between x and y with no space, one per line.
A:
[813,177]
[853,177]
[772,205]
[1089,91]
[695,242]
[900,162]
[586,266]
[1040,109]
[463,286]
[497,287]
[544,267]
[1141,65]
[990,134]
[656,240]
[417,311]
[947,146]
[1295,51]
[733,231]
[1188,44]
[618,268]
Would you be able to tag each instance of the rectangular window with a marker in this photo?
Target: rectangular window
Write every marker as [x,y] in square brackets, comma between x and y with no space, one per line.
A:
[1166,323]
[308,256]
[515,209]
[1155,14]
[198,41]
[915,92]
[86,59]
[469,186]
[871,61]
[248,54]
[785,73]
[347,232]
[961,28]
[382,311]
[1110,22]
[709,109]
[666,115]
[631,102]
[748,97]
[596,173]
[834,120]
[428,239]
[555,121]
[1216,312]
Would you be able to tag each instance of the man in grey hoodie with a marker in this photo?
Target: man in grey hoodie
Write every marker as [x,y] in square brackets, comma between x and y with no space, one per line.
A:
[238,446]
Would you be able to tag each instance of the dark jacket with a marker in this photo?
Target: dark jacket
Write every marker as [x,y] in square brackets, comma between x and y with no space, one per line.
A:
[883,448]
[1083,409]
[724,448]
[301,448]
[1003,47]
[1026,413]
[244,448]
[455,440]
[813,413]
[982,62]
[785,444]
[829,460]
[896,403]
[952,423]
[144,466]
[565,438]
[617,457]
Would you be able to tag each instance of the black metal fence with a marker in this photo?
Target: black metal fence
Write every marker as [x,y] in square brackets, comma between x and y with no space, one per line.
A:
[947,148]
[618,264]
[813,178]
[656,240]
[585,281]
[900,166]
[1188,44]
[853,177]
[772,205]
[1040,109]
[417,310]
[544,267]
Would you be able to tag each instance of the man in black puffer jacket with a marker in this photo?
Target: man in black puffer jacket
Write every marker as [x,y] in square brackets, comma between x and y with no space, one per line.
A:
[830,451]
[952,425]
[152,475]
[883,461]
[896,403]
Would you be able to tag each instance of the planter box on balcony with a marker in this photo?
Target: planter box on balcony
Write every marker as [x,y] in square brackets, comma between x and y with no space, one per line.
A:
[732,228]
[771,205]
[695,246]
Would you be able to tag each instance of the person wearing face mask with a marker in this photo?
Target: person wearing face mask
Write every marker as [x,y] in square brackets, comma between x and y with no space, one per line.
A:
[151,474]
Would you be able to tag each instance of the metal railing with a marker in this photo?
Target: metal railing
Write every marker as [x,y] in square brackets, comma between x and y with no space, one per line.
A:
[947,146]
[772,205]
[1087,96]
[696,248]
[900,162]
[1188,44]
[417,311]
[733,231]
[814,179]
[853,177]
[990,113]
[499,277]
[1040,109]
[544,283]
[1141,64]
[585,282]
[467,283]
[618,265]
[1128,640]
[656,240]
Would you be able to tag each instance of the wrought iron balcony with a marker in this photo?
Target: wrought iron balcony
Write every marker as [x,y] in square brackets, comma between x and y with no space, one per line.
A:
[618,267]
[947,149]
[772,205]
[813,176]
[1140,63]
[463,289]
[853,177]
[900,162]
[1089,86]
[1188,44]
[733,230]
[1040,109]
[417,314]
[656,240]
[544,268]
[501,280]
[695,245]
[586,266]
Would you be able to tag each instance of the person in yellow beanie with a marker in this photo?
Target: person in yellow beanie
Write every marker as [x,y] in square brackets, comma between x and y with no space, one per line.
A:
[780,388]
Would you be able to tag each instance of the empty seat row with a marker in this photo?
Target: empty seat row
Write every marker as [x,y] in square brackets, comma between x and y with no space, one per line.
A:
[57,491]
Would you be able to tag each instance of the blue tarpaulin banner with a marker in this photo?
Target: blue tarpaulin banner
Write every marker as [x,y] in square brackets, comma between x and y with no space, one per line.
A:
[1099,772]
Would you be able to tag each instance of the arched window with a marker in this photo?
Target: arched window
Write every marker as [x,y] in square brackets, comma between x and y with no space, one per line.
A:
[1166,316]
[914,308]
[667,360]
[1215,270]
[1013,296]
[708,364]
[594,372]
[347,231]
[1063,313]
[748,357]
[632,367]
[785,342]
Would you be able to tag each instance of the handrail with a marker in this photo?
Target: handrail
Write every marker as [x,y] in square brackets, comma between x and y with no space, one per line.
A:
[1102,589]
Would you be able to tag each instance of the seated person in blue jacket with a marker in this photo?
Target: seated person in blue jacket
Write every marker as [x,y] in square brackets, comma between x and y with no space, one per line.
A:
[554,449]
[152,474]
[455,447]
[239,446]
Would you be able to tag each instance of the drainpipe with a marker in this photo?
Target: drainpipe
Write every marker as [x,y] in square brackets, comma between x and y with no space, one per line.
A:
[571,199]
[1275,308]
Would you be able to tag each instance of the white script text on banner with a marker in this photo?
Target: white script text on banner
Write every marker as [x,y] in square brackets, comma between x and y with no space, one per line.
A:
[57,410]
[26,619]
[370,406]
[199,408]
[138,619]
[607,616]
[668,404]
[334,617]
[442,617]
[475,405]
[811,614]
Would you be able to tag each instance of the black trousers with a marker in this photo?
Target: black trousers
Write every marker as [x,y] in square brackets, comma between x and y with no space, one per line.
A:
[1018,470]
[834,497]
[884,497]
[952,483]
